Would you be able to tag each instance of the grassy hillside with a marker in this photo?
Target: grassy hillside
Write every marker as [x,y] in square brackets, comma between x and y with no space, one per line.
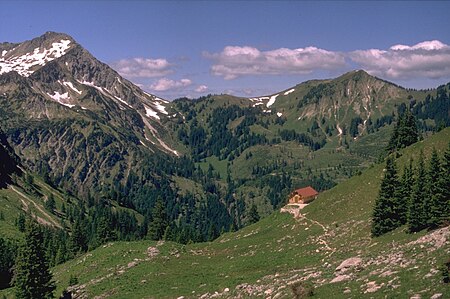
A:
[319,132]
[22,197]
[265,259]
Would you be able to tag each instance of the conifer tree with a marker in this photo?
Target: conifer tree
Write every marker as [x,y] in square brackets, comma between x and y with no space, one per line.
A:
[253,215]
[405,191]
[159,221]
[104,231]
[408,133]
[78,239]
[417,216]
[438,201]
[405,132]
[8,253]
[386,212]
[32,277]
[446,183]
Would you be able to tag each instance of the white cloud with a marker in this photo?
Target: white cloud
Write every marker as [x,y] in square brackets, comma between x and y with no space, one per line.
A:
[201,88]
[165,84]
[428,59]
[143,67]
[233,61]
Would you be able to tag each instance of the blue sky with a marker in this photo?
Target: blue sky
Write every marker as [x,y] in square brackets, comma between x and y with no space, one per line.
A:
[246,48]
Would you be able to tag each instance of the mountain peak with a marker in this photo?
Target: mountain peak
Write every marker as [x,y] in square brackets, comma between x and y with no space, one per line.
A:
[51,36]
[27,57]
[356,75]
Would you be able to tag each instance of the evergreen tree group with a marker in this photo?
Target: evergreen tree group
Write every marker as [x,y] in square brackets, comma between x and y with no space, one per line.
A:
[386,214]
[32,277]
[420,198]
[405,132]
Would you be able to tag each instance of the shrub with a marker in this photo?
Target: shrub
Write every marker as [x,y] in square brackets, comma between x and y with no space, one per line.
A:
[302,289]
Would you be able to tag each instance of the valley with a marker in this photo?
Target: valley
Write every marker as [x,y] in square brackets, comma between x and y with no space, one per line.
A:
[138,196]
[265,259]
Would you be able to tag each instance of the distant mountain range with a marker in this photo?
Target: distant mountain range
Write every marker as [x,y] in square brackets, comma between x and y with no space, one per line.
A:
[75,121]
[96,159]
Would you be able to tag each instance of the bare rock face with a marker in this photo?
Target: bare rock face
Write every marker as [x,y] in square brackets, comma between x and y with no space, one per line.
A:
[152,251]
[340,278]
[342,272]
[435,240]
[372,287]
[436,296]
[348,264]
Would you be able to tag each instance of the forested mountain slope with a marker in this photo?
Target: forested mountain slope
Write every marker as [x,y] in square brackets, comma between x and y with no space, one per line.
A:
[328,249]
[83,128]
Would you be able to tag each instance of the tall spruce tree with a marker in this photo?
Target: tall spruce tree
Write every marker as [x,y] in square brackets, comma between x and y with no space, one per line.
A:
[32,277]
[437,201]
[78,240]
[417,216]
[405,191]
[446,183]
[386,214]
[159,221]
[253,215]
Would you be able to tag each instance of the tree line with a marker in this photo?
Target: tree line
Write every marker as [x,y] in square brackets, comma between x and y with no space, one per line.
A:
[420,198]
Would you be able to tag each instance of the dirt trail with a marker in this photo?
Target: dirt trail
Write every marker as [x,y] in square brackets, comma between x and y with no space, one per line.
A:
[298,216]
[51,220]
[321,239]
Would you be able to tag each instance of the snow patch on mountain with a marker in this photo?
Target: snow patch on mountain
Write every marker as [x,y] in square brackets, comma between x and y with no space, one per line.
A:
[161,108]
[155,134]
[150,112]
[70,85]
[122,101]
[106,92]
[4,52]
[272,100]
[91,84]
[61,98]
[258,99]
[339,129]
[159,99]
[289,91]
[279,114]
[26,64]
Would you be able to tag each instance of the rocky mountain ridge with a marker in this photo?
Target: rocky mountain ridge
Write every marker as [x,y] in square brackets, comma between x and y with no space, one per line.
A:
[54,67]
[72,116]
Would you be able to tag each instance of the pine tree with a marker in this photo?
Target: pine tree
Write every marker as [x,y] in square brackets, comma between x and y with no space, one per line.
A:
[32,277]
[405,132]
[159,221]
[8,253]
[392,146]
[405,192]
[408,133]
[438,201]
[20,222]
[253,215]
[417,217]
[78,239]
[61,254]
[104,231]
[446,183]
[386,212]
